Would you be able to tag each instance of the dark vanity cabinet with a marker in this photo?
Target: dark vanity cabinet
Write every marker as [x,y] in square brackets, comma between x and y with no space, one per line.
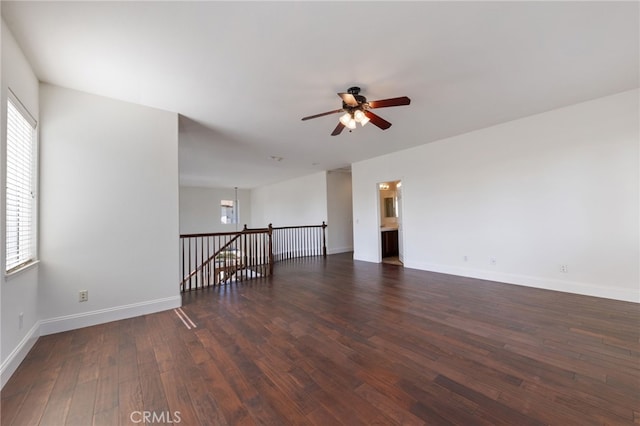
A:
[390,243]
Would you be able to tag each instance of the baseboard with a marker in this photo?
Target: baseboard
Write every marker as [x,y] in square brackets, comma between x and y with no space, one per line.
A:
[72,322]
[15,358]
[101,316]
[367,257]
[339,250]
[586,289]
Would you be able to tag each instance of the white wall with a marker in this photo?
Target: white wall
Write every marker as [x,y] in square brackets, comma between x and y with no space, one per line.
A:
[340,212]
[109,209]
[300,201]
[556,188]
[18,293]
[308,200]
[200,209]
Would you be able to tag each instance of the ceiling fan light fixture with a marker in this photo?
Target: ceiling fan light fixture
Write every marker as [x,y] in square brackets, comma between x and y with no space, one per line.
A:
[356,109]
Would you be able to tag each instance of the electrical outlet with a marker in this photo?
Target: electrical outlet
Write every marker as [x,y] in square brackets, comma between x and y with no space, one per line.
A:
[564,268]
[20,320]
[493,261]
[83,295]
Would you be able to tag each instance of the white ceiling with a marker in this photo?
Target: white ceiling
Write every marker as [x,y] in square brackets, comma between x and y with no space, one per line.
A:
[243,74]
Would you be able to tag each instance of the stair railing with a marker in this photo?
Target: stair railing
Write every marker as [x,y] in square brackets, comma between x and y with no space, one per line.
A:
[223,257]
[290,242]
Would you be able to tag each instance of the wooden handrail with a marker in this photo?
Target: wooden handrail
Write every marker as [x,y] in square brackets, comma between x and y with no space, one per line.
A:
[252,257]
[300,226]
[222,234]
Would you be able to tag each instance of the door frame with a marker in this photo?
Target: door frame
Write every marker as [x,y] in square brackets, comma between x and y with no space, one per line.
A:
[399,221]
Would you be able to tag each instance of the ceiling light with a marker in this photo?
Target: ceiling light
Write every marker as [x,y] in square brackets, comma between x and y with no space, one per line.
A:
[353,116]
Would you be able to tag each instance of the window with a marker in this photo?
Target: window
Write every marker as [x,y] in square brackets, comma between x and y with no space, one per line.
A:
[228,212]
[20,181]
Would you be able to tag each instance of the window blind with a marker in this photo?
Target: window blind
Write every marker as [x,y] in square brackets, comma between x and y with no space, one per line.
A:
[20,237]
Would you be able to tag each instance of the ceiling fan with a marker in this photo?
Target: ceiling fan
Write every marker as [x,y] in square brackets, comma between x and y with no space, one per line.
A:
[356,110]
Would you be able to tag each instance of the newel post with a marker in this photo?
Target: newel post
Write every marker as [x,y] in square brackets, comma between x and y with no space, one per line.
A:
[245,247]
[270,249]
[324,240]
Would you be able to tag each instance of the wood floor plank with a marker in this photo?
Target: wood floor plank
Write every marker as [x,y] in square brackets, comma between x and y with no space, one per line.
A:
[58,404]
[330,382]
[388,406]
[231,406]
[437,405]
[33,406]
[106,417]
[130,401]
[321,417]
[204,402]
[11,405]
[342,342]
[82,403]
[495,408]
[106,394]
[151,387]
[179,403]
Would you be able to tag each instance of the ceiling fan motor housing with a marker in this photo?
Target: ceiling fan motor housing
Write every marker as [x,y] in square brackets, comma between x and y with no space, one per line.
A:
[362,104]
[359,98]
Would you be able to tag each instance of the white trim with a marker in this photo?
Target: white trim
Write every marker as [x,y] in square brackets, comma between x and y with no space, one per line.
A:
[18,271]
[586,289]
[17,103]
[101,316]
[337,250]
[368,257]
[25,160]
[15,358]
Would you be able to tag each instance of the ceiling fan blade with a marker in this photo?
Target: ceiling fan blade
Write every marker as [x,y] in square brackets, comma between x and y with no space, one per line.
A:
[321,115]
[390,102]
[377,120]
[348,99]
[338,129]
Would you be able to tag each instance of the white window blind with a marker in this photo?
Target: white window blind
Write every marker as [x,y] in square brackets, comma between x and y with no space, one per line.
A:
[20,238]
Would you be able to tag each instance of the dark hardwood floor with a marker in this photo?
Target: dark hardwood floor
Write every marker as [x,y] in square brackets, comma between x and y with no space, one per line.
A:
[333,341]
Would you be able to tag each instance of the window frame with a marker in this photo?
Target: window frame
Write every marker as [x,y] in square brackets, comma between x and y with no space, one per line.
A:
[224,207]
[34,169]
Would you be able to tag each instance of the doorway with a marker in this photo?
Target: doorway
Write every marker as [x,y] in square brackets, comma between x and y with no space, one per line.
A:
[390,214]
